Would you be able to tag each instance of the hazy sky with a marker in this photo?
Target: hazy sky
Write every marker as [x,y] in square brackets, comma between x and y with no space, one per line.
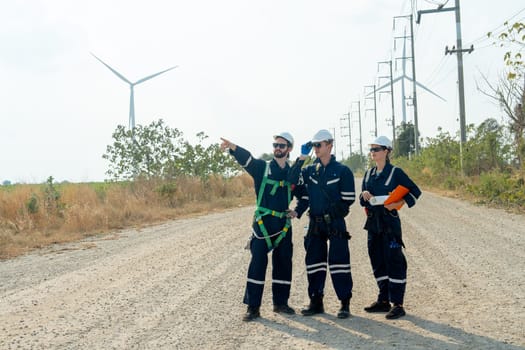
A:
[246,70]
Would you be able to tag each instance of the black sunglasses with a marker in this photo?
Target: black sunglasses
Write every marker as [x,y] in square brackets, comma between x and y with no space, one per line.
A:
[279,145]
[377,149]
[317,144]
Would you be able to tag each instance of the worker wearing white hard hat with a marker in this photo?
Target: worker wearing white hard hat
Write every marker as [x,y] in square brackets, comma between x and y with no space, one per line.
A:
[322,135]
[327,189]
[385,189]
[271,227]
[381,146]
[382,141]
[285,135]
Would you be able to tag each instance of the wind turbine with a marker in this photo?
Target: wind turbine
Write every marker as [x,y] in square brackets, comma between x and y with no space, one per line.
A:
[402,78]
[131,86]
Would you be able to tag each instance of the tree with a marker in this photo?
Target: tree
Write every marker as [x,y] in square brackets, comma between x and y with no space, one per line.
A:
[356,162]
[203,161]
[441,155]
[509,91]
[144,151]
[267,156]
[513,37]
[405,145]
[158,151]
[486,150]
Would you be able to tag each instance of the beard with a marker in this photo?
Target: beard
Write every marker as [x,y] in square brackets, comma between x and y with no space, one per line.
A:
[279,154]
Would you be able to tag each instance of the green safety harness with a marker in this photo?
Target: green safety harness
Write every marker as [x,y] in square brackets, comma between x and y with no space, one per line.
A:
[260,211]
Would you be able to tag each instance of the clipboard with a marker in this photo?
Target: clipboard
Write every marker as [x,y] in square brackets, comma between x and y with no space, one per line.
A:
[396,195]
[378,200]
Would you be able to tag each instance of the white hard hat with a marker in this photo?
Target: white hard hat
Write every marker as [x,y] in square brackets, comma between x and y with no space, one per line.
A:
[322,135]
[382,141]
[285,135]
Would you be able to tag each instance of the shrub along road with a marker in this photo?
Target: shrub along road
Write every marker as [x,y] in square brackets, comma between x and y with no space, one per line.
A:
[180,285]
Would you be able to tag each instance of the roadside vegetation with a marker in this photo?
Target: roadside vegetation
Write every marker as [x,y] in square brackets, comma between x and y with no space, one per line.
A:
[34,216]
[156,175]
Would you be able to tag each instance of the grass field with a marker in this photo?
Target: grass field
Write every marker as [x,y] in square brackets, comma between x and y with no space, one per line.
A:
[33,216]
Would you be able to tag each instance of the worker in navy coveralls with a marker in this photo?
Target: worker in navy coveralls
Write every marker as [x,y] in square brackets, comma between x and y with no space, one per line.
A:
[385,241]
[271,229]
[327,188]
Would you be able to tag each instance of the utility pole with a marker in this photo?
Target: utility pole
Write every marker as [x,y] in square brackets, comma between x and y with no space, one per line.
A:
[360,128]
[375,106]
[459,54]
[414,97]
[346,118]
[391,97]
[335,143]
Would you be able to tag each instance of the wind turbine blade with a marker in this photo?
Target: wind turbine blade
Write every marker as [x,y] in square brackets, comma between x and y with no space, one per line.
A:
[153,75]
[385,85]
[425,88]
[428,90]
[111,69]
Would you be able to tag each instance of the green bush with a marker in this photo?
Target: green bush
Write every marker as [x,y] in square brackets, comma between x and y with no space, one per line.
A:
[498,188]
[32,204]
[167,192]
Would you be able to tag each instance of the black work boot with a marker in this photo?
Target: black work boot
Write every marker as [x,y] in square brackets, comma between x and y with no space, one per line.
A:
[378,306]
[315,307]
[251,314]
[283,309]
[344,311]
[396,311]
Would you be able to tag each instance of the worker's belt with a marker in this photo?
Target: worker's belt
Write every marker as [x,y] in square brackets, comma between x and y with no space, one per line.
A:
[373,212]
[329,231]
[260,212]
[326,218]
[318,219]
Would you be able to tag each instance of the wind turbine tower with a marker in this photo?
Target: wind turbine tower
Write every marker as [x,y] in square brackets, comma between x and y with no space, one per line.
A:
[131,86]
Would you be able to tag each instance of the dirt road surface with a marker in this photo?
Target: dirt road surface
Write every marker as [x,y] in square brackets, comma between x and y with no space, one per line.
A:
[180,286]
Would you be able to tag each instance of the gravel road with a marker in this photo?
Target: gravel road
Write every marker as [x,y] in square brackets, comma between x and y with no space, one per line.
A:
[179,285]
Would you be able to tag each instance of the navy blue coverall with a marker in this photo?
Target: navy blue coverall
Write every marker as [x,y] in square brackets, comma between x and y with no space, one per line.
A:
[277,201]
[328,191]
[385,241]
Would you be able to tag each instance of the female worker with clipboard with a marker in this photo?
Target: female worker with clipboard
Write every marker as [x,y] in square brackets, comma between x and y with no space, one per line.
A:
[386,189]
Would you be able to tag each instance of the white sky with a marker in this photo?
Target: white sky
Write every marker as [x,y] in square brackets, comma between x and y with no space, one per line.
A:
[246,70]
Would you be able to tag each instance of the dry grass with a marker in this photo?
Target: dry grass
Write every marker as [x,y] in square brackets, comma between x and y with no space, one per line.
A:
[30,218]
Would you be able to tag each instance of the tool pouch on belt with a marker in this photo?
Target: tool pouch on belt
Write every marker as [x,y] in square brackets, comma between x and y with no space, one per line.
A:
[383,221]
[324,227]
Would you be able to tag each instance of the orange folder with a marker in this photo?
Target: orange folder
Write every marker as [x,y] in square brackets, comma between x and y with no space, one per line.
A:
[396,195]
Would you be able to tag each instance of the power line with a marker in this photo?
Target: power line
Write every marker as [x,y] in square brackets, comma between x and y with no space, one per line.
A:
[478,48]
[437,70]
[485,37]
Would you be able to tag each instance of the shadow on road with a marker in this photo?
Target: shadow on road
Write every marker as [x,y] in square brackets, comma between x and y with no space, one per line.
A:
[410,332]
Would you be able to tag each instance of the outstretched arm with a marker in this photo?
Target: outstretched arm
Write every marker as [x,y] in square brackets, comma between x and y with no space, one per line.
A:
[227,144]
[254,167]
